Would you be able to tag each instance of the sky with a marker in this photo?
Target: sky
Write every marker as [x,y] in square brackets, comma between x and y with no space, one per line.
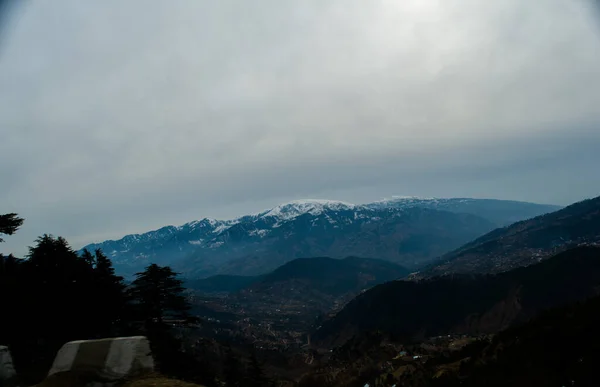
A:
[121,117]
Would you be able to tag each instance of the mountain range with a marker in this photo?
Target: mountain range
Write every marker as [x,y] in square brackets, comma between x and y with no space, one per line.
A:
[405,230]
[524,242]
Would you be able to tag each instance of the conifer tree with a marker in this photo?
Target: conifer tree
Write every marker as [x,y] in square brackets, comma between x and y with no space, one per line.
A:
[56,287]
[159,294]
[88,257]
[109,294]
[9,224]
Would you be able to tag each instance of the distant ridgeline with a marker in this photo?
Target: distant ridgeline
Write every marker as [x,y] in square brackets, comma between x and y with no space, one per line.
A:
[409,231]
[328,275]
[525,242]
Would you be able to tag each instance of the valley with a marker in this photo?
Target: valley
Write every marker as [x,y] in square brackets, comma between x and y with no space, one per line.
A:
[280,309]
[392,332]
[345,322]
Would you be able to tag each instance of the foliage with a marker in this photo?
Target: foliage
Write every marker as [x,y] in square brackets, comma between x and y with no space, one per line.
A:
[158,294]
[55,295]
[9,224]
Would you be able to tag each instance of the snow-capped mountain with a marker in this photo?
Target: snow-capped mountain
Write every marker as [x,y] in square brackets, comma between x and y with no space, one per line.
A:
[407,230]
[293,209]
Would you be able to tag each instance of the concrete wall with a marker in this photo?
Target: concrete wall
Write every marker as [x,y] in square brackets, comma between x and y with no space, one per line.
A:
[7,369]
[106,360]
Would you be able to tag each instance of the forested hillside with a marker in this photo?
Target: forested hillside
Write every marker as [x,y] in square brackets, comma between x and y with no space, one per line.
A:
[410,310]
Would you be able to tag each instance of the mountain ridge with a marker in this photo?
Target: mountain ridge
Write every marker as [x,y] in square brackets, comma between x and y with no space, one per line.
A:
[255,244]
[525,242]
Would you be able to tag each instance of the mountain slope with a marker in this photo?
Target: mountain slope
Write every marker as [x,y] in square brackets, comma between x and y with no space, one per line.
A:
[410,310]
[409,231]
[321,274]
[525,242]
[409,237]
[284,304]
[500,212]
[305,276]
[306,288]
[558,347]
[163,246]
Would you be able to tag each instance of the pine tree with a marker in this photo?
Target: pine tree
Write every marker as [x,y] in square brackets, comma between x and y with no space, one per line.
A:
[109,294]
[88,257]
[9,224]
[10,293]
[158,294]
[56,287]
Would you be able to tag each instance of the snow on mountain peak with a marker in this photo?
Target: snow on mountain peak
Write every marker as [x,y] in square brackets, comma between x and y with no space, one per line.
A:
[296,208]
[399,197]
[205,221]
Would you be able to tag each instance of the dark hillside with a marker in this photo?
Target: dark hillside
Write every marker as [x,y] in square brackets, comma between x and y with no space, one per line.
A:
[467,304]
[332,276]
[524,243]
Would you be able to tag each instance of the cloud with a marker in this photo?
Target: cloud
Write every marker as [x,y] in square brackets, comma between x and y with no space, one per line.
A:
[124,116]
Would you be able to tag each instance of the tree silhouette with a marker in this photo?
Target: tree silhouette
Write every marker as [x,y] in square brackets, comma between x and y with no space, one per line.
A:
[88,257]
[55,286]
[158,294]
[9,224]
[109,294]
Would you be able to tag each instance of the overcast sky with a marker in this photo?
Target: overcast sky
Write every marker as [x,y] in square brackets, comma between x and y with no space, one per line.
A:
[124,116]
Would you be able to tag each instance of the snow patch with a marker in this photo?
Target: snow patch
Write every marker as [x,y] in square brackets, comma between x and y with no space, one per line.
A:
[260,233]
[224,226]
[398,198]
[293,209]
[209,221]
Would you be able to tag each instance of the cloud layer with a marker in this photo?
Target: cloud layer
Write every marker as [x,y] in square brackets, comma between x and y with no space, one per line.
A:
[124,116]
